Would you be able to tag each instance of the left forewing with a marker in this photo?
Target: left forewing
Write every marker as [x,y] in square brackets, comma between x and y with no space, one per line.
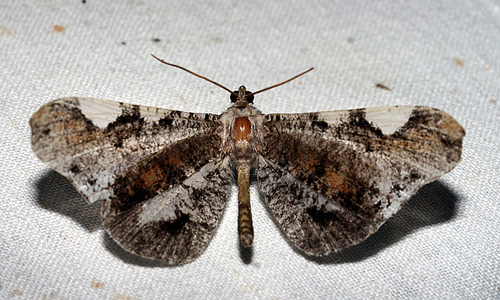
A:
[338,176]
[94,142]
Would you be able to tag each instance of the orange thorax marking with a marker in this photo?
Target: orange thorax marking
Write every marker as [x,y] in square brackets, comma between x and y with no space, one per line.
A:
[242,128]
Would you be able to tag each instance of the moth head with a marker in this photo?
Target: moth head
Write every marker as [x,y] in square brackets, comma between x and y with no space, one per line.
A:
[241,97]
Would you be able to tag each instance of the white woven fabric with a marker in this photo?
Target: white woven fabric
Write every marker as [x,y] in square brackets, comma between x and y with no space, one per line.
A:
[444,244]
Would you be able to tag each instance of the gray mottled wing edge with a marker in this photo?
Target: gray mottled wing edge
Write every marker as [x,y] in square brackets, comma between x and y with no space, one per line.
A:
[176,225]
[92,142]
[333,178]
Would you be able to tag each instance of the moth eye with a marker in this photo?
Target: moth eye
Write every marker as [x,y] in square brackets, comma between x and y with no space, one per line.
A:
[233,96]
[249,97]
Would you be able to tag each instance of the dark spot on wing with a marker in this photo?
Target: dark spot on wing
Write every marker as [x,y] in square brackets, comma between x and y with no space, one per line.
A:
[396,186]
[175,114]
[75,169]
[166,121]
[323,218]
[313,116]
[322,125]
[175,227]
[118,142]
[414,175]
[419,118]
[128,116]
[76,114]
[357,118]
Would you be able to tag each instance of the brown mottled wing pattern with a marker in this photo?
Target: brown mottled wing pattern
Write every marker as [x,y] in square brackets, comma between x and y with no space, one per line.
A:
[174,225]
[333,178]
[161,174]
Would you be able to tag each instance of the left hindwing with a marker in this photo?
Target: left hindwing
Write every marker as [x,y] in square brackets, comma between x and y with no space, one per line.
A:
[333,178]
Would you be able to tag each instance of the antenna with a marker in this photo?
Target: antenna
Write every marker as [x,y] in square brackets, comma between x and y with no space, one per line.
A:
[276,85]
[220,85]
[197,75]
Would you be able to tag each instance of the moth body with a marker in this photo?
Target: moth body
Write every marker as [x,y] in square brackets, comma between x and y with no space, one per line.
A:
[241,119]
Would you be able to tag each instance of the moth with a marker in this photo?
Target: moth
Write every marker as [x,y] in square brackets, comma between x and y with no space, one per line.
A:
[330,179]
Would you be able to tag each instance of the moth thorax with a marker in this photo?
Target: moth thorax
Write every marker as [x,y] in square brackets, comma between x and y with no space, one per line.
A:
[242,129]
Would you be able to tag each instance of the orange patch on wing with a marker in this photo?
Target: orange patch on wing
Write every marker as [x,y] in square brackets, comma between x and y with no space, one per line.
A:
[309,164]
[337,181]
[151,176]
[73,131]
[175,161]
[419,140]
[451,127]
